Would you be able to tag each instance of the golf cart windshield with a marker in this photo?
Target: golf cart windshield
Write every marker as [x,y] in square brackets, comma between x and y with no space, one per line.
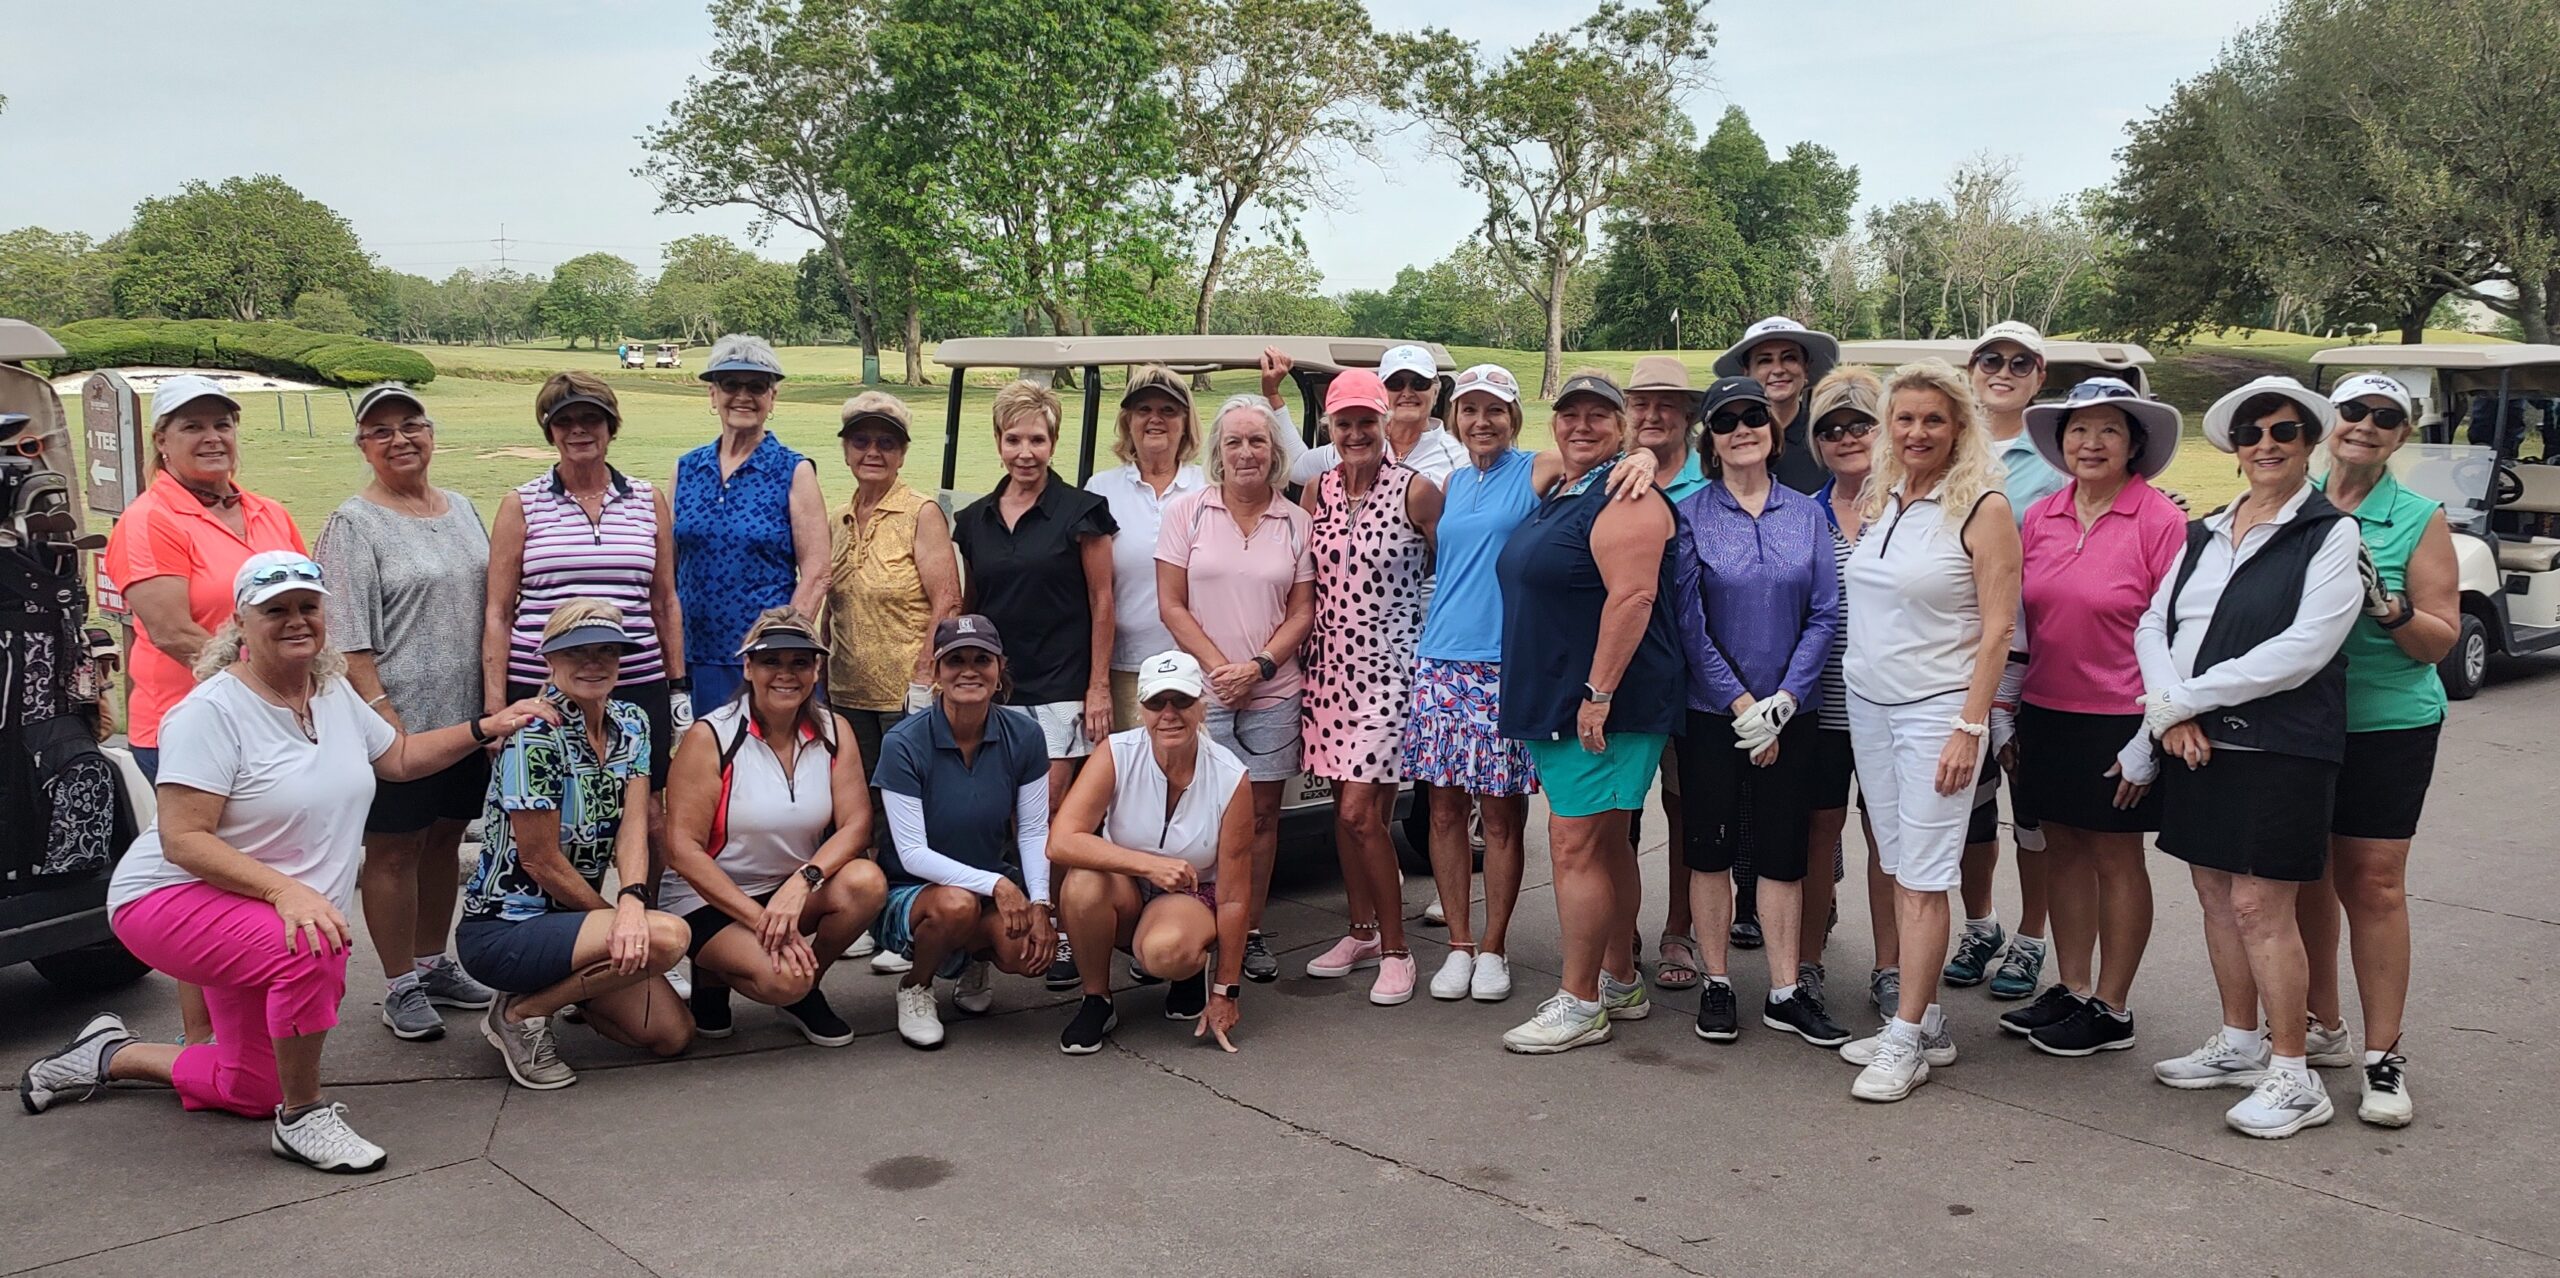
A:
[2458,475]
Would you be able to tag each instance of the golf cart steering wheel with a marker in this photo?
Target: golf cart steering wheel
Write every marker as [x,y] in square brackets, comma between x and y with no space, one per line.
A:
[2506,487]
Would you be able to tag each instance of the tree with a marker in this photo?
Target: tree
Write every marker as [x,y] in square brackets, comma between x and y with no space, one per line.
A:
[326,310]
[1266,94]
[1275,290]
[763,297]
[684,302]
[243,250]
[594,296]
[1550,134]
[775,127]
[51,278]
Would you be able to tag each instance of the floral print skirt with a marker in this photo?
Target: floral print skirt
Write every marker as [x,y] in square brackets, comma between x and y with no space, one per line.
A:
[1453,736]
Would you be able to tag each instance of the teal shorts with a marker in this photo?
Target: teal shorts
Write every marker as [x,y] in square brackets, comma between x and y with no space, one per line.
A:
[1580,784]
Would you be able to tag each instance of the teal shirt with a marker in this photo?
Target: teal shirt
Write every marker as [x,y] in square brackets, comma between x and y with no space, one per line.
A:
[1692,477]
[2026,477]
[2387,689]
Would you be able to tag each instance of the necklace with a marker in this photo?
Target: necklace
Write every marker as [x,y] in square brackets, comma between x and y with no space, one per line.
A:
[301,714]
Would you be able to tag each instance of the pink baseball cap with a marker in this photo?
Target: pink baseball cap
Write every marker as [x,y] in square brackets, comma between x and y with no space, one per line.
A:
[1355,388]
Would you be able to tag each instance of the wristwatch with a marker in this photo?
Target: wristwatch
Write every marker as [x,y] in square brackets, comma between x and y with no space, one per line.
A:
[1596,696]
[648,896]
[1226,991]
[2407,613]
[813,876]
[1263,664]
[479,733]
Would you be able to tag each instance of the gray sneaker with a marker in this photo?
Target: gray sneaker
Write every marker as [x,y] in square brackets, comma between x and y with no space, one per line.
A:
[77,1069]
[1809,978]
[322,1140]
[1884,989]
[2216,1064]
[2326,1048]
[1260,966]
[531,1053]
[2280,1105]
[406,1009]
[1624,1000]
[447,985]
[1938,1049]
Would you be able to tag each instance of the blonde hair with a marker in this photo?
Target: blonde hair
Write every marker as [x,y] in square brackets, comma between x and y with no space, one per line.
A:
[580,612]
[229,644]
[1286,447]
[1160,379]
[1027,396]
[1972,469]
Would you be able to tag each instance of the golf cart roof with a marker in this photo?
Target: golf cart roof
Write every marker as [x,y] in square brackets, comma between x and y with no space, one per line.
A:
[21,341]
[1955,349]
[2439,355]
[1184,353]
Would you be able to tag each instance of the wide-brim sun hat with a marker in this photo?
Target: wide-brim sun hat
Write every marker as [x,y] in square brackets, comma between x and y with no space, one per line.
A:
[2217,419]
[270,573]
[1821,350]
[2161,423]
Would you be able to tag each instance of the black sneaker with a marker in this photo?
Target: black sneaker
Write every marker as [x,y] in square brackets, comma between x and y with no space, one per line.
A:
[818,1022]
[1744,935]
[1260,966]
[2091,1028]
[1718,1022]
[1063,975]
[2053,1008]
[1186,999]
[1095,1018]
[1804,1017]
[710,1003]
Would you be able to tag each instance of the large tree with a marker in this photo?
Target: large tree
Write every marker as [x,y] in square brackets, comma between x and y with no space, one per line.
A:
[1550,132]
[594,296]
[51,278]
[243,250]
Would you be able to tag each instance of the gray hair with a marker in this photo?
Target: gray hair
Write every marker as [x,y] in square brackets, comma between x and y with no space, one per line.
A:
[743,346]
[1285,443]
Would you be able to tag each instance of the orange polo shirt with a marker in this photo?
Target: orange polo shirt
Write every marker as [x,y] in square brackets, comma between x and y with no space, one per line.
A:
[167,532]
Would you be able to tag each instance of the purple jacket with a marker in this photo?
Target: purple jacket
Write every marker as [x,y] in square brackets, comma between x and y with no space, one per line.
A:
[1757,600]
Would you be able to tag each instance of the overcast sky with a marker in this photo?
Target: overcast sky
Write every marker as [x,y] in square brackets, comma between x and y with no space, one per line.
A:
[431,126]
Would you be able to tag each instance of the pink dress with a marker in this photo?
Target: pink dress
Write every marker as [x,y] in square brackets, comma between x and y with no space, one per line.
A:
[1370,566]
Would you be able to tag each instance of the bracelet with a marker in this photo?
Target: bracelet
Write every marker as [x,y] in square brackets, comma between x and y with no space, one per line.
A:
[479,733]
[1977,731]
[377,700]
[647,896]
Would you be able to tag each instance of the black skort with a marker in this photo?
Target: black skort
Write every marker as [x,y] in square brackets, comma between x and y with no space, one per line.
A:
[2063,759]
[2250,812]
[456,794]
[2382,786]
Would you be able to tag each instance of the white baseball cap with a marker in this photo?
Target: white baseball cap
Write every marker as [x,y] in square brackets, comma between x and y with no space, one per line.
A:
[1408,359]
[269,573]
[1173,671]
[2363,384]
[185,389]
[1492,379]
[2018,331]
[387,393]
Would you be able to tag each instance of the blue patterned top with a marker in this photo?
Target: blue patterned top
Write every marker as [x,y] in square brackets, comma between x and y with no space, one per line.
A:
[734,555]
[553,768]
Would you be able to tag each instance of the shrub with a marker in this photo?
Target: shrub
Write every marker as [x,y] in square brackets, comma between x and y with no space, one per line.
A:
[278,350]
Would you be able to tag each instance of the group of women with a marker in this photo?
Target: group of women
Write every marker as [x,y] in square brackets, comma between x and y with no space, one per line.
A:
[1080,747]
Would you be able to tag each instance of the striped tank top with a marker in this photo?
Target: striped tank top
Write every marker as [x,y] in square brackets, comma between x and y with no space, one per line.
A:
[569,556]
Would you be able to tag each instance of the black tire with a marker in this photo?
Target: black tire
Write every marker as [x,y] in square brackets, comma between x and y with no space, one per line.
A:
[2466,667]
[91,969]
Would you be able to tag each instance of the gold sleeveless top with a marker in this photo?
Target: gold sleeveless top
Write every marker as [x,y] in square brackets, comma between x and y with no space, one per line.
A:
[876,611]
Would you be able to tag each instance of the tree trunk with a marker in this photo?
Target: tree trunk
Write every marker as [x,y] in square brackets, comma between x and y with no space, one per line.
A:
[1551,370]
[914,334]
[865,325]
[2536,304]
[1209,280]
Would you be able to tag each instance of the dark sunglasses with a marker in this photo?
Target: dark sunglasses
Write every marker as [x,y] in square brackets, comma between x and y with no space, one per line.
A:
[1173,700]
[2386,417]
[1836,429]
[743,385]
[2249,435]
[1408,382]
[2019,365]
[1753,416]
[874,443]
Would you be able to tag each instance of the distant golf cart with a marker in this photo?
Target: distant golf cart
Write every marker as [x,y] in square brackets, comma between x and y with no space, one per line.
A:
[669,354]
[633,356]
[1306,808]
[2067,363]
[2504,514]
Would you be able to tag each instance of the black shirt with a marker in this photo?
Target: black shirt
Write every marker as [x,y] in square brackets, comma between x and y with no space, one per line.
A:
[1797,467]
[1029,580]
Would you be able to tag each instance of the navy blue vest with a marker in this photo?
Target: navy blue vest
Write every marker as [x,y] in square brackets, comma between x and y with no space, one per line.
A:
[1551,602]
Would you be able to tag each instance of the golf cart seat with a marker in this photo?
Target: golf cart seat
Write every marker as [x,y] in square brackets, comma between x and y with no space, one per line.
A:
[2541,495]
[2519,556]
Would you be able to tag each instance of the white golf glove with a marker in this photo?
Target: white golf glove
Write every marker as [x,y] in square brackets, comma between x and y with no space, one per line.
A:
[919,698]
[1761,724]
[2004,706]
[680,710]
[2377,601]
[2139,760]
[2161,712]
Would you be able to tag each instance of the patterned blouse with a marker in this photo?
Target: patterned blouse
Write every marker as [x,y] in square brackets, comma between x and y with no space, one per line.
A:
[734,554]
[548,768]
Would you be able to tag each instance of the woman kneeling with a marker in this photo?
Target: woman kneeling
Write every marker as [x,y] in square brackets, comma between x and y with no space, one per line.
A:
[1145,836]
[769,820]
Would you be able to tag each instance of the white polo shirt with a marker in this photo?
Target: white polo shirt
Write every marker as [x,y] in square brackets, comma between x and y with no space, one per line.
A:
[1137,629]
[1915,620]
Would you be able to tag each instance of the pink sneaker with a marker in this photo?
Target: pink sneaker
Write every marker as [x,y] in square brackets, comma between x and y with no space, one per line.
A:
[1348,955]
[1395,981]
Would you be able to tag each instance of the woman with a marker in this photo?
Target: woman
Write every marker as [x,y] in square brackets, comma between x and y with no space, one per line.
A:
[2245,690]
[1757,600]
[769,819]
[1933,596]
[1846,407]
[1580,577]
[173,554]
[2395,709]
[1372,521]
[893,578]
[1411,436]
[406,558]
[569,801]
[750,525]
[1153,825]
[586,530]
[1235,584]
[2093,554]
[1155,440]
[966,785]
[241,885]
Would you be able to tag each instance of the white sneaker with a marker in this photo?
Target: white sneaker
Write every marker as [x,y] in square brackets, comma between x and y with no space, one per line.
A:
[976,990]
[2325,1048]
[2386,1100]
[78,1066]
[864,946]
[1492,982]
[919,1021]
[2281,1104]
[1898,1065]
[1457,975]
[1434,915]
[321,1139]
[1938,1050]
[681,976]
[1560,1026]
[2216,1064]
[891,963]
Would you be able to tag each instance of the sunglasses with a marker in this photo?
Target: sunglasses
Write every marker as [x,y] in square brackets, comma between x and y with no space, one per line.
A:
[2283,432]
[272,574]
[1753,416]
[406,430]
[1170,701]
[2386,417]
[594,654]
[744,385]
[2018,365]
[1408,382]
[874,443]
[1833,431]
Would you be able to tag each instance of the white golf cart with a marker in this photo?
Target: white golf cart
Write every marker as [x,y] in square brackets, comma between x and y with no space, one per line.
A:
[1306,809]
[2067,363]
[2505,515]
[634,355]
[670,355]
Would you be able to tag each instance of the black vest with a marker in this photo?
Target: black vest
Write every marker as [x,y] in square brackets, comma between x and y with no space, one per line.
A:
[2260,601]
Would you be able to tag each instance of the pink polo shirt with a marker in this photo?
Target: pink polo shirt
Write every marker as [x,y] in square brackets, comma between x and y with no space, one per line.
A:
[2083,594]
[1240,584]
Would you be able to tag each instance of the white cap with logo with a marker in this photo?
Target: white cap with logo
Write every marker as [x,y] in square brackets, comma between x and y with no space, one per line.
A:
[2018,332]
[1171,671]
[2363,384]
[1408,359]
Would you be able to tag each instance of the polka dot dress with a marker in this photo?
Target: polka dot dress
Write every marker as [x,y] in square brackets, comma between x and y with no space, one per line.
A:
[1370,565]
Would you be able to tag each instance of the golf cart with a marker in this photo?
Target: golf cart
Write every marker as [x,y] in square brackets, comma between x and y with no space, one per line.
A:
[633,356]
[667,355]
[2067,363]
[1306,809]
[2505,515]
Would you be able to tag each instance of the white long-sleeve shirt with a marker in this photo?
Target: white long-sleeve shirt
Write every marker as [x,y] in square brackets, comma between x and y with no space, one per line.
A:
[2332,594]
[1030,837]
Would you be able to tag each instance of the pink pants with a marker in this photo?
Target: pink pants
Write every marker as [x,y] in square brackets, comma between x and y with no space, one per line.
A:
[254,990]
